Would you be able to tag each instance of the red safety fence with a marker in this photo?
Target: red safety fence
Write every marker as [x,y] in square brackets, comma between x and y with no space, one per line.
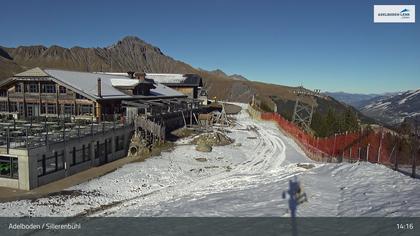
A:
[368,145]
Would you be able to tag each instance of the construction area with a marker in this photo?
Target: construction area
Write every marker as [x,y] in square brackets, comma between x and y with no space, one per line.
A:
[42,150]
[55,124]
[159,119]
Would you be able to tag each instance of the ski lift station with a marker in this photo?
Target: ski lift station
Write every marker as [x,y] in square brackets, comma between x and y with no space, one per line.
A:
[55,123]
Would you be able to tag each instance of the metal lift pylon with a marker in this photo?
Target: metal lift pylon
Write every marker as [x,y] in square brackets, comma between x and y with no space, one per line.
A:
[303,112]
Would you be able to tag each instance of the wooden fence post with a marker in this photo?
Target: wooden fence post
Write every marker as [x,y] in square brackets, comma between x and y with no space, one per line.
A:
[367,152]
[413,157]
[390,157]
[380,146]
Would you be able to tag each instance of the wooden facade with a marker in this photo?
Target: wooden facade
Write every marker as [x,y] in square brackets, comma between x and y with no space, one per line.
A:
[59,93]
[34,97]
[191,92]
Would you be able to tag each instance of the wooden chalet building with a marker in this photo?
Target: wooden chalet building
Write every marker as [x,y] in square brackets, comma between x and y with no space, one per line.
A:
[50,92]
[34,152]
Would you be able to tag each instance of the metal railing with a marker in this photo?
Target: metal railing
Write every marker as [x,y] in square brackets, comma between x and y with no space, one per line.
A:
[24,134]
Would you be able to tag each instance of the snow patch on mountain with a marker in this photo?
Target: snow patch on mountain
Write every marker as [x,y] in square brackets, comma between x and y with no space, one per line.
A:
[394,109]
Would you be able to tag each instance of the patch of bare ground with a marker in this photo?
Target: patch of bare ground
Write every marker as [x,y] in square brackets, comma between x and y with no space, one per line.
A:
[156,151]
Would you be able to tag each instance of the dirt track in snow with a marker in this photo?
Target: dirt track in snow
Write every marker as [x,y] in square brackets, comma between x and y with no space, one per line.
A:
[246,178]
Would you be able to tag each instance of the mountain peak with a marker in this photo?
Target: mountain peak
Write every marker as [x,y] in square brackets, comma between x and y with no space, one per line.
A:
[218,72]
[134,43]
[237,77]
[131,38]
[130,41]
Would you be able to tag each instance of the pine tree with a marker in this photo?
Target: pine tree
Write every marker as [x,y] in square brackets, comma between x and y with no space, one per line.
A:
[319,125]
[351,122]
[331,121]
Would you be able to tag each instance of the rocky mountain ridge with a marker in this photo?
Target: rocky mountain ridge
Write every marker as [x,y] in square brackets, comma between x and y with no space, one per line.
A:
[393,109]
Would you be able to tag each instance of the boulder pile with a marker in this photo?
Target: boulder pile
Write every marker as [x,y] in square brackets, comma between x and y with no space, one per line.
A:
[206,141]
[213,139]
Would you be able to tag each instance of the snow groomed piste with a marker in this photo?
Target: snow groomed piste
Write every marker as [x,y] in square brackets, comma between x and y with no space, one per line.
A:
[246,178]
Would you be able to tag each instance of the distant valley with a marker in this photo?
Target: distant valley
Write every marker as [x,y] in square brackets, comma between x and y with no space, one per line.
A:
[389,108]
[353,99]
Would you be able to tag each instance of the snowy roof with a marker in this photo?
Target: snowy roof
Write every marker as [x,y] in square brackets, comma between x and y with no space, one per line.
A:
[87,82]
[168,79]
[176,79]
[124,82]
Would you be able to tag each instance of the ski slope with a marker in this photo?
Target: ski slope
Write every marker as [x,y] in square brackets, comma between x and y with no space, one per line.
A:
[246,178]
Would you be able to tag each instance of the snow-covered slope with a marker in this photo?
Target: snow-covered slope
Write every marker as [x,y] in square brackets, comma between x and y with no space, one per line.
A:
[246,178]
[393,109]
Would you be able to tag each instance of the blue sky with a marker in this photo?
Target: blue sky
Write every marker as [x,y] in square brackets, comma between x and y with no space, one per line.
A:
[330,45]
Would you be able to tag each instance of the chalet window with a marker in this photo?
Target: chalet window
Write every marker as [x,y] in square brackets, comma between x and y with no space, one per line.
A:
[141,90]
[96,149]
[13,107]
[51,109]
[63,90]
[86,153]
[21,109]
[51,164]
[9,167]
[119,143]
[30,110]
[60,160]
[76,156]
[48,88]
[3,93]
[48,108]
[3,106]
[99,150]
[68,109]
[108,146]
[18,88]
[80,155]
[85,109]
[78,96]
[33,88]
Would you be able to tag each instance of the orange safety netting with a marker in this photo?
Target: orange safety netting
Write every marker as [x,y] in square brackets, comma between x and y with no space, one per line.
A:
[363,145]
